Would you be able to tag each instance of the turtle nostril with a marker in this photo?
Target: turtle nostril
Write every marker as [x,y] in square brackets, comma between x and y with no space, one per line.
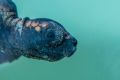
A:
[74,41]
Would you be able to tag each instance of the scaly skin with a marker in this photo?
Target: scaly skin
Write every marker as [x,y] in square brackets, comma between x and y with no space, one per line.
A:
[39,38]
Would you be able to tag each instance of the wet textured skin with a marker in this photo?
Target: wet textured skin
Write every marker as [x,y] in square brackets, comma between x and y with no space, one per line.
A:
[40,38]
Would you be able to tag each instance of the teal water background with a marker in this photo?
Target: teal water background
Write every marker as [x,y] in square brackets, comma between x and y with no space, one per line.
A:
[95,24]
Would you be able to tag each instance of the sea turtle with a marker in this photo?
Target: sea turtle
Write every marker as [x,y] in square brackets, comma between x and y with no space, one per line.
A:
[39,38]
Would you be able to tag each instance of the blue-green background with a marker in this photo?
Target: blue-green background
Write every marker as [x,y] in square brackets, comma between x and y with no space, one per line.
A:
[95,24]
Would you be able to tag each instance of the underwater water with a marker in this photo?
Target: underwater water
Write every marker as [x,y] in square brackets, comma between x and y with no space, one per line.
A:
[96,26]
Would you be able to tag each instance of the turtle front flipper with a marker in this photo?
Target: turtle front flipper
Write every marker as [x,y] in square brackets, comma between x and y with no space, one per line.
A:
[8,11]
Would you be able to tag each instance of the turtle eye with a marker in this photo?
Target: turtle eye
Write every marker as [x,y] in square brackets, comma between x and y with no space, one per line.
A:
[54,37]
[50,35]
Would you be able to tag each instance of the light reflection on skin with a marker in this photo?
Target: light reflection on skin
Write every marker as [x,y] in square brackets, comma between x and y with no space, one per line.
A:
[36,25]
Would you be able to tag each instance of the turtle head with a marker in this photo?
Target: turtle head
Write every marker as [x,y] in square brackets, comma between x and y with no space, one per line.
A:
[51,42]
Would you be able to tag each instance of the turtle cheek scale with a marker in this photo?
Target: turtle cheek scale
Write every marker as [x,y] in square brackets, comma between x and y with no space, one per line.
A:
[57,53]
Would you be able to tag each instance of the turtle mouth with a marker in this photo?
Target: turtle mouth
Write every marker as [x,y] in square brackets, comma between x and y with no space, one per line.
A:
[45,56]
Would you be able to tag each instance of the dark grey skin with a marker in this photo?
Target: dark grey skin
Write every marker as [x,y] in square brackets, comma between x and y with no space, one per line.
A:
[40,38]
